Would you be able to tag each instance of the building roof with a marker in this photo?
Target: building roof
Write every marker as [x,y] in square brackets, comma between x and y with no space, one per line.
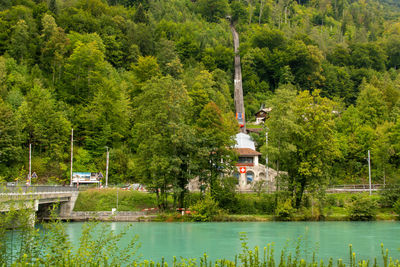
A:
[247,152]
[263,110]
[244,141]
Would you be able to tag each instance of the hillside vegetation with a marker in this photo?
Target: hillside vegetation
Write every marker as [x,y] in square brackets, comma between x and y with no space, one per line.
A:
[153,81]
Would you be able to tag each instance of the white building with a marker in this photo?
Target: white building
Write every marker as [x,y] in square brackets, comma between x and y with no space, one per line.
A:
[249,163]
[249,169]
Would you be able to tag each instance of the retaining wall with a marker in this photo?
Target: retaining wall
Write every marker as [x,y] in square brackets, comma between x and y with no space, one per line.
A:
[117,216]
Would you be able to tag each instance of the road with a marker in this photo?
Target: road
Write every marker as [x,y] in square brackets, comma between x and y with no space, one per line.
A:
[238,93]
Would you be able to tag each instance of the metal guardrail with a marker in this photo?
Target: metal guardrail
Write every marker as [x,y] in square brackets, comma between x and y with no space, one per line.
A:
[357,186]
[24,189]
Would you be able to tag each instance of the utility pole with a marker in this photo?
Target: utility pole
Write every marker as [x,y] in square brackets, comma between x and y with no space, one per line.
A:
[107,167]
[72,153]
[369,172]
[30,164]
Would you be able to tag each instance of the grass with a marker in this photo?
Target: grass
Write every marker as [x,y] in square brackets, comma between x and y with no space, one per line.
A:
[254,126]
[106,199]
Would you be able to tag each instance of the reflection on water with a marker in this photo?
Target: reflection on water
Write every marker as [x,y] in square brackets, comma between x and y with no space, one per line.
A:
[221,240]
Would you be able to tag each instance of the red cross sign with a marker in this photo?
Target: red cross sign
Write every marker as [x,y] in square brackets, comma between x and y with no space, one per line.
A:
[242,169]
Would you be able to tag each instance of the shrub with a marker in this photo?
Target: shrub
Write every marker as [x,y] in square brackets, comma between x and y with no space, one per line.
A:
[224,192]
[396,208]
[266,204]
[245,204]
[331,200]
[192,198]
[254,204]
[285,211]
[25,245]
[205,210]
[362,208]
[389,196]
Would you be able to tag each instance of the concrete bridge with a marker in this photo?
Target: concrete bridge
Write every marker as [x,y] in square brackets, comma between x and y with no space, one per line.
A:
[38,198]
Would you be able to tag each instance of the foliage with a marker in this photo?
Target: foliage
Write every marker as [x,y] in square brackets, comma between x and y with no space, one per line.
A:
[254,204]
[25,245]
[307,142]
[10,139]
[164,140]
[259,186]
[224,193]
[362,208]
[205,210]
[285,211]
[389,196]
[93,65]
[396,207]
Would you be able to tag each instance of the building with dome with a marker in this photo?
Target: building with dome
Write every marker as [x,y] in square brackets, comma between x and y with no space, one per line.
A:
[249,169]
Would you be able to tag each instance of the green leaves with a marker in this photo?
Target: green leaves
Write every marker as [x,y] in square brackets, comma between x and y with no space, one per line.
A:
[302,139]
[84,70]
[43,123]
[159,121]
[213,10]
[10,139]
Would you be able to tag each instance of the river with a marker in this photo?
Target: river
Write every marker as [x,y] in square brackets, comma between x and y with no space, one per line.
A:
[221,240]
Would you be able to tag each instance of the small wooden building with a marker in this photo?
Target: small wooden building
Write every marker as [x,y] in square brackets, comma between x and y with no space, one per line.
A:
[262,115]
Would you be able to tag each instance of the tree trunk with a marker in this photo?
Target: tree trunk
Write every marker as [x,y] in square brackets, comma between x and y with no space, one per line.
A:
[158,198]
[299,194]
[277,183]
[285,14]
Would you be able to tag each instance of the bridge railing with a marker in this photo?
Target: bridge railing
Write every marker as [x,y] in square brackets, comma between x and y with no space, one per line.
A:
[24,189]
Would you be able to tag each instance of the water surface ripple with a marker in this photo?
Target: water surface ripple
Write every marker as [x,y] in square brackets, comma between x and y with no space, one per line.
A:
[221,240]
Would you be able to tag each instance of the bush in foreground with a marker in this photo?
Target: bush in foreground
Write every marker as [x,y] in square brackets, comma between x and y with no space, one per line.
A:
[23,245]
[99,246]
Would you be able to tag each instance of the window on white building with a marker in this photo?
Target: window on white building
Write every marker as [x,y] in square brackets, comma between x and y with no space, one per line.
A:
[245,160]
[250,177]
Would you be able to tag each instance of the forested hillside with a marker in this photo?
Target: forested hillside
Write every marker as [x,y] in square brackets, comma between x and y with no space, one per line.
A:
[153,81]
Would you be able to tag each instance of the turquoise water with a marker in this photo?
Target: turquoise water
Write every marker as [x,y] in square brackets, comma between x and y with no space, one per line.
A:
[221,240]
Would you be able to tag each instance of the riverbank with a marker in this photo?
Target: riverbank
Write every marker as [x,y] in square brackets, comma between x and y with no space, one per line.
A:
[124,216]
[106,216]
[136,206]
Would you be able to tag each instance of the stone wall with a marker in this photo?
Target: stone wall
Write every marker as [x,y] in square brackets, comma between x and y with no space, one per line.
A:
[117,216]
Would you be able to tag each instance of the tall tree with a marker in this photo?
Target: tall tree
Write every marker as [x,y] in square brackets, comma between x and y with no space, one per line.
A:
[216,132]
[309,142]
[162,136]
[106,119]
[54,47]
[280,126]
[45,126]
[84,70]
[371,105]
[19,45]
[10,141]
[213,10]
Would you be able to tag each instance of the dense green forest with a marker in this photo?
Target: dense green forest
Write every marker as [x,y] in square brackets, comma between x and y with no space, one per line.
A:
[153,81]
